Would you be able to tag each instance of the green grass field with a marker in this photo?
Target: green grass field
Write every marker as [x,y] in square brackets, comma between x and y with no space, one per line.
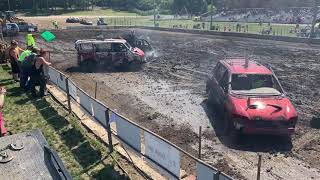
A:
[83,156]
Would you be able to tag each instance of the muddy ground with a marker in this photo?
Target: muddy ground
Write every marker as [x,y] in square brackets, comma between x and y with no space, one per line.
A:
[167,96]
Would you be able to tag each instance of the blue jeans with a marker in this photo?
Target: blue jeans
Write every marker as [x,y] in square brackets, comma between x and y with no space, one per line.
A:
[37,80]
[24,75]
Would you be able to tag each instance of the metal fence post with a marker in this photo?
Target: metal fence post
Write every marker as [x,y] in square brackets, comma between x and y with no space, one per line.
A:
[259,167]
[199,156]
[68,95]
[95,90]
[109,131]
[216,176]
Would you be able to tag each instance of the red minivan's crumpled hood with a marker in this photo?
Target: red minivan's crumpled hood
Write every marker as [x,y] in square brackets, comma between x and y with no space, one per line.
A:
[138,52]
[268,109]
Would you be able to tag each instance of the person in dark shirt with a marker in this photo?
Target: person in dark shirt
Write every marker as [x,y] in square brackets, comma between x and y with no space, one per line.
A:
[14,60]
[37,76]
[25,68]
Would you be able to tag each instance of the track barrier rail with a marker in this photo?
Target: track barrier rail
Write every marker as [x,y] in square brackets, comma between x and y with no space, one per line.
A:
[161,153]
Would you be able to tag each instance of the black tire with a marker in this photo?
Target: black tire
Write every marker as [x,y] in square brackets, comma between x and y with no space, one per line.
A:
[229,130]
[226,124]
[125,64]
[79,60]
[211,101]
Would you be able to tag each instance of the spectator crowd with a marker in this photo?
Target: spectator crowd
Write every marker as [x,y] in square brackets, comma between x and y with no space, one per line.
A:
[28,68]
[283,16]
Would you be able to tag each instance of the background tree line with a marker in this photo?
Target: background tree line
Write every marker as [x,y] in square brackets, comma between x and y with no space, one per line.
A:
[170,6]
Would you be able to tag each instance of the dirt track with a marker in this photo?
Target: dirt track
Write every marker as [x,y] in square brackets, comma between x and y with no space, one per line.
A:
[168,96]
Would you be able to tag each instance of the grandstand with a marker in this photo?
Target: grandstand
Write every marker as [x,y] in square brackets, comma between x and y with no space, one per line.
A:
[294,15]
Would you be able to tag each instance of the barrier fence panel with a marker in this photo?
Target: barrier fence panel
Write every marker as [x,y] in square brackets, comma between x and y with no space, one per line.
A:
[73,91]
[224,177]
[53,75]
[158,150]
[57,78]
[128,132]
[85,102]
[204,172]
[167,156]
[99,112]
[61,81]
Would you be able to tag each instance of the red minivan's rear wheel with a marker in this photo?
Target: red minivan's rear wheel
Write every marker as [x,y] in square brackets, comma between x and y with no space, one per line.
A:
[227,124]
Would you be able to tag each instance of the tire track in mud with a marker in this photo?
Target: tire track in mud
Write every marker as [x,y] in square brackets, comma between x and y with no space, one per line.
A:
[168,97]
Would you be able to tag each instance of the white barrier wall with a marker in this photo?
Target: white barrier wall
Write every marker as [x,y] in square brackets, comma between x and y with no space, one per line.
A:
[156,149]
[73,91]
[204,172]
[85,102]
[99,112]
[163,153]
[61,81]
[128,132]
[53,75]
[223,177]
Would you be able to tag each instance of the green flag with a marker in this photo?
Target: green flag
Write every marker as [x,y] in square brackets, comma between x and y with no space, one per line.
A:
[48,36]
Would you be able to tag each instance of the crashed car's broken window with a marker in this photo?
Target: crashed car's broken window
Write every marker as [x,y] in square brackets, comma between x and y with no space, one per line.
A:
[117,47]
[103,47]
[86,47]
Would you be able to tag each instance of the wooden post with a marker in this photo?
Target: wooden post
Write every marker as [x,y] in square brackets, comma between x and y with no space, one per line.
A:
[216,176]
[259,167]
[199,156]
[68,95]
[314,17]
[109,131]
[1,33]
[95,90]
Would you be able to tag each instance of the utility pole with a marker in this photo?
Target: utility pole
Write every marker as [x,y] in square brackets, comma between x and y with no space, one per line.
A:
[211,12]
[314,21]
[9,5]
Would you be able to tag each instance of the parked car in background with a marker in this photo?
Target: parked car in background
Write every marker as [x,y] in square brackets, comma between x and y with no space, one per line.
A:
[101,22]
[86,22]
[72,20]
[27,27]
[10,29]
[251,98]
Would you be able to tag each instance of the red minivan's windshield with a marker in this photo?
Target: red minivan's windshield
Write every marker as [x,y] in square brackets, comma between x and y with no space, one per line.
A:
[255,84]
